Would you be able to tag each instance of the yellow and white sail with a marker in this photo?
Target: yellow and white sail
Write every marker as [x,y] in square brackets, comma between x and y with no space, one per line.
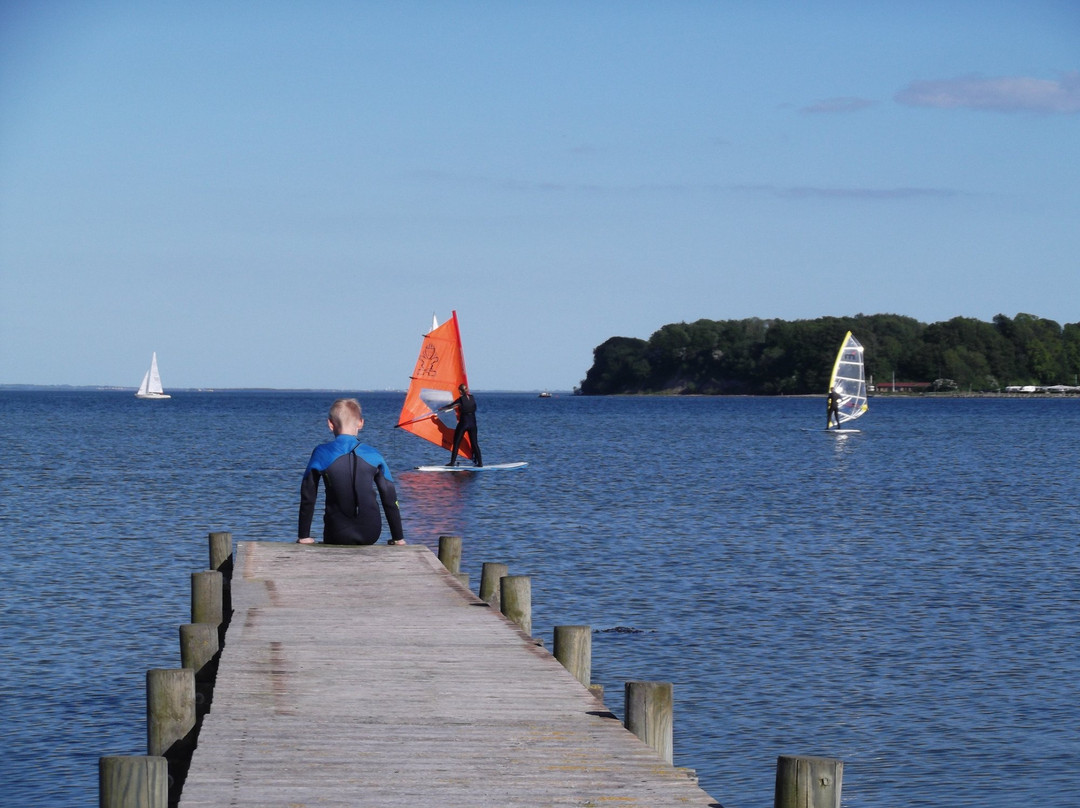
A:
[848,380]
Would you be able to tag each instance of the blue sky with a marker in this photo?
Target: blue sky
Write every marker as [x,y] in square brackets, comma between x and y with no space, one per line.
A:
[283,194]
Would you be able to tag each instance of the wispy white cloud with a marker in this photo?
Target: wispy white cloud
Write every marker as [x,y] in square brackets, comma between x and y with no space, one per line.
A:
[1003,94]
[836,105]
[826,192]
[517,185]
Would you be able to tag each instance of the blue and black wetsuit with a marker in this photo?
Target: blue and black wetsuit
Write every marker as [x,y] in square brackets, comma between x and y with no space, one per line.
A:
[352,471]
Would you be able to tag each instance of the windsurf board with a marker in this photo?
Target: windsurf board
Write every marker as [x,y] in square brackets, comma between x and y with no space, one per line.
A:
[469,467]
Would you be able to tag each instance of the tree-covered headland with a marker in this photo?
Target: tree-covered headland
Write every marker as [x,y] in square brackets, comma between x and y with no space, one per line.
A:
[775,357]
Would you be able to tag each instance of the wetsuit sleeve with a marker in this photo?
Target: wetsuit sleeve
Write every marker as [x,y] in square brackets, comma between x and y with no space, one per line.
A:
[309,493]
[388,495]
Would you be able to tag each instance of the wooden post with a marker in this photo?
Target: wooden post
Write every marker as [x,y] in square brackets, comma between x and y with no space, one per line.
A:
[133,781]
[649,708]
[515,597]
[221,553]
[573,648]
[198,646]
[490,574]
[804,781]
[198,651]
[170,722]
[450,552]
[221,560]
[206,599]
[170,709]
[463,578]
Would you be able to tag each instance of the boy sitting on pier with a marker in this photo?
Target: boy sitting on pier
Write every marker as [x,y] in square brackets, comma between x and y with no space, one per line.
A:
[353,471]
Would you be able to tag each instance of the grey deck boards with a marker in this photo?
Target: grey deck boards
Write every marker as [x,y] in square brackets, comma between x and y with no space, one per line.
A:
[367,676]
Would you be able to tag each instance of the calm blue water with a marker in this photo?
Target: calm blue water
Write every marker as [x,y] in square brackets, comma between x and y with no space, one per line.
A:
[906,599]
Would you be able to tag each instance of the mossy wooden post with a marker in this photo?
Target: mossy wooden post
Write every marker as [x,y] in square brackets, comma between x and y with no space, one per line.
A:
[515,597]
[805,781]
[198,651]
[170,708]
[573,648]
[221,553]
[170,721]
[450,552]
[207,605]
[133,781]
[490,575]
[221,560]
[648,714]
[198,646]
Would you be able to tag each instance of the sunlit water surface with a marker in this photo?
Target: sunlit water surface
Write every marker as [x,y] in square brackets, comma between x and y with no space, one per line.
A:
[905,599]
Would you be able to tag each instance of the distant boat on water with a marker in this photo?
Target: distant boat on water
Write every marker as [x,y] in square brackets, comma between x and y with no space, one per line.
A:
[151,383]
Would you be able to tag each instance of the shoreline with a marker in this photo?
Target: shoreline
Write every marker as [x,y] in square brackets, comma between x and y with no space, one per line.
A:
[71,388]
[953,394]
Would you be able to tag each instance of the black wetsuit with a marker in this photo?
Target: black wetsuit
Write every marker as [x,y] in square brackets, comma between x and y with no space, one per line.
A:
[352,471]
[832,404]
[466,423]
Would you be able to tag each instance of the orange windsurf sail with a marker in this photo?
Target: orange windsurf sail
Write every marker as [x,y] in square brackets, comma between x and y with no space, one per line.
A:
[434,383]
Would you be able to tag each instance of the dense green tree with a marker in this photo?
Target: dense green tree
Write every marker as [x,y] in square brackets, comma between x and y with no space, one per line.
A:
[1038,347]
[889,340]
[972,353]
[619,366]
[1070,353]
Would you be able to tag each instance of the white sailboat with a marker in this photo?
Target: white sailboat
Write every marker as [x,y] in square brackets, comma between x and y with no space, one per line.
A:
[151,383]
[848,382]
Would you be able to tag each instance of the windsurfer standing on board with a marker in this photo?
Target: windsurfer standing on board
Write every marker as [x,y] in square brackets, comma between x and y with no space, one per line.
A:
[832,402]
[466,422]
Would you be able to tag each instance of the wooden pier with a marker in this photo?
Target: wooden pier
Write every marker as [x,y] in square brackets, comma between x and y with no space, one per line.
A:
[370,676]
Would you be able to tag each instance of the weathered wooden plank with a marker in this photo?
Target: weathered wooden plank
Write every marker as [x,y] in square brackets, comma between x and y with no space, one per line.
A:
[369,676]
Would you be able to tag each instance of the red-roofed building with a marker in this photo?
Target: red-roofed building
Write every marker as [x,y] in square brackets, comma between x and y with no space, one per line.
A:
[902,387]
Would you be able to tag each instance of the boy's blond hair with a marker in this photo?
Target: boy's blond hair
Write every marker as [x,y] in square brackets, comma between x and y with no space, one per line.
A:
[344,414]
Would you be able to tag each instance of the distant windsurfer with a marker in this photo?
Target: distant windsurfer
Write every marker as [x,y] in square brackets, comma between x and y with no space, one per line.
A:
[832,402]
[466,423]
